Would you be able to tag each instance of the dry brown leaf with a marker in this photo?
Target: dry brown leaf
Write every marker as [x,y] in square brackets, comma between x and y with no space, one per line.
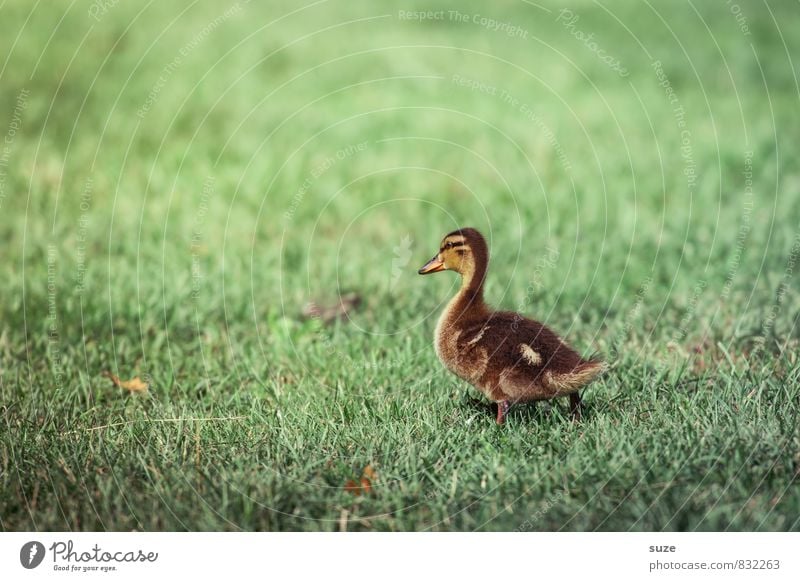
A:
[328,313]
[135,385]
[364,485]
[353,488]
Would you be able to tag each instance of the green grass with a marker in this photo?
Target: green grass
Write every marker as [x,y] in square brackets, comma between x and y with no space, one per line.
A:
[181,244]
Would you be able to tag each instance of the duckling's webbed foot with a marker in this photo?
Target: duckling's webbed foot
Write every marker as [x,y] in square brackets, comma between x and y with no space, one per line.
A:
[575,406]
[502,409]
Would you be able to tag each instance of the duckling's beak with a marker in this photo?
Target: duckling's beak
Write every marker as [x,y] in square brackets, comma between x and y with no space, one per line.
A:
[435,264]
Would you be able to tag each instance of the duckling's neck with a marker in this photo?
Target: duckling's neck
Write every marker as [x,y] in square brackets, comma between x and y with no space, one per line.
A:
[470,296]
[463,308]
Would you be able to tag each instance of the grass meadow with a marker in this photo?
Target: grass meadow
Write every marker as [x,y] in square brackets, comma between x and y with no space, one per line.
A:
[230,201]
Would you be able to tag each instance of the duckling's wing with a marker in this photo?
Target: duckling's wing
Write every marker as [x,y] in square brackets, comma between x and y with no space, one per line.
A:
[476,335]
[536,345]
[560,367]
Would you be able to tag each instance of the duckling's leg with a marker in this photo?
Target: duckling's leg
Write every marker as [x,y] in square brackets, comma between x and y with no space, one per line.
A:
[575,406]
[502,409]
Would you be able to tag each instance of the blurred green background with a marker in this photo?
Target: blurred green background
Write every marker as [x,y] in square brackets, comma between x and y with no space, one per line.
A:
[178,181]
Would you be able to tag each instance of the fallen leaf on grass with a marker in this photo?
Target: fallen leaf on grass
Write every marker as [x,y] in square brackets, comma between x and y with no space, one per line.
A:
[329,313]
[364,485]
[135,385]
[369,473]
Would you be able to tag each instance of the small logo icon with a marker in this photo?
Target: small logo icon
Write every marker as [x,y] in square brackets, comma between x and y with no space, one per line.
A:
[31,554]
[402,256]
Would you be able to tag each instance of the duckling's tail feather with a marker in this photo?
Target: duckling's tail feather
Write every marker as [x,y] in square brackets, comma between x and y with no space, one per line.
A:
[592,367]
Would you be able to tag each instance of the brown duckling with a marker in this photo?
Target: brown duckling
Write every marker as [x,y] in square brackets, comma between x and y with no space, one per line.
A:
[506,356]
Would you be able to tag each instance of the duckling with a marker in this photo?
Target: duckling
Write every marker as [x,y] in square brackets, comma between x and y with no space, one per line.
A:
[506,356]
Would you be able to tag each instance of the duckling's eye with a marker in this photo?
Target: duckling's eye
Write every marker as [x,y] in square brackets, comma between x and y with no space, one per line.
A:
[448,246]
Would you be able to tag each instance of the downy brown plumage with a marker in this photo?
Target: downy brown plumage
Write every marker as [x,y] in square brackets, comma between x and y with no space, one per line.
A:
[506,356]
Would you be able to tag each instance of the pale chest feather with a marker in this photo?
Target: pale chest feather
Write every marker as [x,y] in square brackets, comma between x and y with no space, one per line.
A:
[445,337]
[469,366]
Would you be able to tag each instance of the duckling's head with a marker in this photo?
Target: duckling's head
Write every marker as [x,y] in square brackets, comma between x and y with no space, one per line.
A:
[464,251]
